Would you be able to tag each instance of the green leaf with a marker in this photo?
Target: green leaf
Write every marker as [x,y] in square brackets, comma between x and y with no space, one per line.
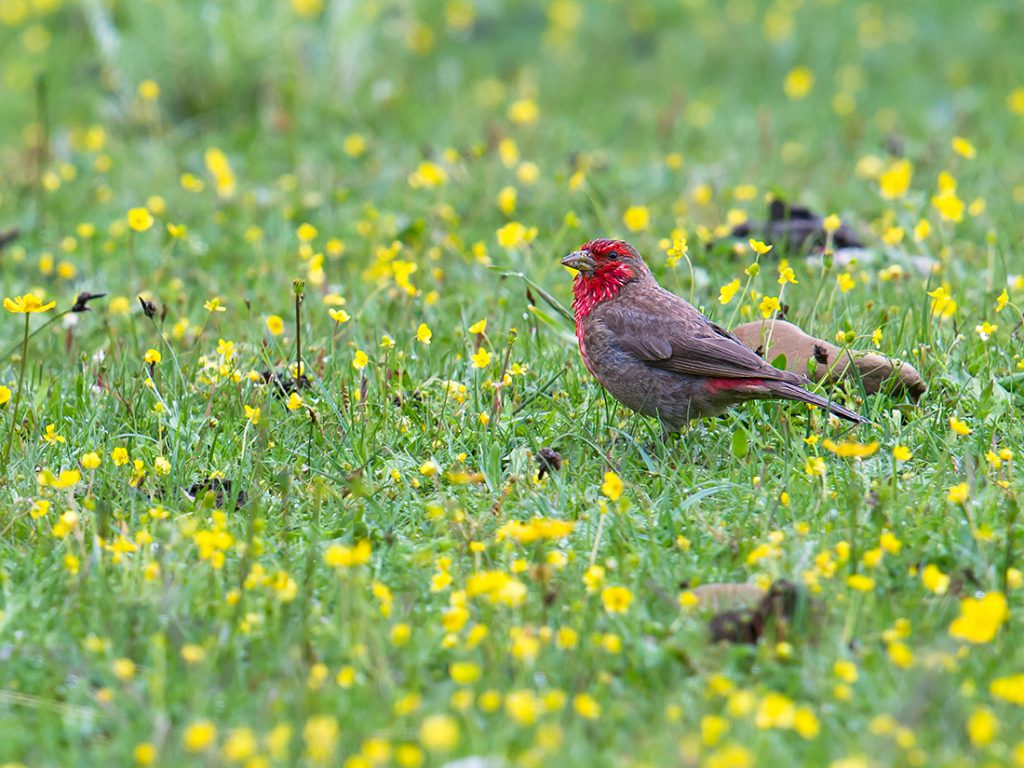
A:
[739,443]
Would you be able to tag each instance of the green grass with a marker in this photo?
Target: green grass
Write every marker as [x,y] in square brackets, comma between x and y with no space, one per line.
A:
[397,454]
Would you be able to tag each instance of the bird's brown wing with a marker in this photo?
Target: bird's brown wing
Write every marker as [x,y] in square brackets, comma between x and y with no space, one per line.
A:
[666,332]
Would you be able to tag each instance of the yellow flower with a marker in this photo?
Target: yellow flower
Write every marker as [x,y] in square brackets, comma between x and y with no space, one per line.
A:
[424,334]
[480,326]
[192,654]
[354,145]
[860,582]
[787,275]
[50,435]
[342,556]
[306,232]
[507,200]
[567,638]
[831,223]
[124,669]
[934,580]
[252,414]
[586,706]
[815,466]
[5,395]
[942,303]
[958,494]
[900,654]
[846,282]
[275,324]
[958,426]
[674,161]
[359,360]
[902,453]
[982,727]
[339,315]
[91,460]
[1009,689]
[769,305]
[798,83]
[851,450]
[949,206]
[538,529]
[240,745]
[199,736]
[294,401]
[612,486]
[27,304]
[845,671]
[758,247]
[593,577]
[481,358]
[805,723]
[523,111]
[677,251]
[964,148]
[894,181]
[144,753]
[1002,300]
[728,291]
[515,235]
[408,756]
[321,736]
[214,305]
[616,599]
[893,235]
[528,173]
[775,711]
[140,219]
[1015,101]
[220,168]
[152,356]
[226,349]
[464,672]
[439,733]
[922,229]
[66,479]
[636,218]
[985,330]
[400,634]
[149,90]
[427,176]
[980,618]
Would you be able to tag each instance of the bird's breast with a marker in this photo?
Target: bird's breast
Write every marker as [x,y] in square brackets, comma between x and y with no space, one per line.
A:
[581,340]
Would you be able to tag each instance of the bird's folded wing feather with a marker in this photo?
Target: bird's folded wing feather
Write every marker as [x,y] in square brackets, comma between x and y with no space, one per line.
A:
[666,332]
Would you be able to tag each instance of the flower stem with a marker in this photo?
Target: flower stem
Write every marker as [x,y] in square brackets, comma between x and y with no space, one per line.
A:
[17,396]
[597,538]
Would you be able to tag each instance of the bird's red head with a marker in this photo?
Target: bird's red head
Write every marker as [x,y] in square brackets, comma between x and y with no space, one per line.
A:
[603,267]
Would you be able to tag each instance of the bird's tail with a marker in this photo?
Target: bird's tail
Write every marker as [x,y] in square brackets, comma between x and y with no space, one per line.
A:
[794,392]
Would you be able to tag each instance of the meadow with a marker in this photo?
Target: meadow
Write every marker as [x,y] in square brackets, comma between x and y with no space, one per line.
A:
[320,478]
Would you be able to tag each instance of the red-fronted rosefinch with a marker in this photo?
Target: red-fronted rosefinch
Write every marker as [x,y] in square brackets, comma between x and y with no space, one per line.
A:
[657,354]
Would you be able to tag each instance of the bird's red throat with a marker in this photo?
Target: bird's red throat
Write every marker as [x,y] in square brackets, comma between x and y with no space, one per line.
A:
[591,288]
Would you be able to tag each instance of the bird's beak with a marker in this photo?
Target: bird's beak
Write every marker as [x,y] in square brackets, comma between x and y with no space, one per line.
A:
[581,261]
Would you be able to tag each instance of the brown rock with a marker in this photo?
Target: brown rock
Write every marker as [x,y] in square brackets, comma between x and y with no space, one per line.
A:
[831,363]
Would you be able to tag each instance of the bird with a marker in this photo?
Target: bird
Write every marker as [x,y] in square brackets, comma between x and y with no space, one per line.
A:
[659,355]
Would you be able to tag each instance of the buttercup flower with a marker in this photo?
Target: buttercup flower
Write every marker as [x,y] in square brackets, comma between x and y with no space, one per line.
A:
[27,304]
